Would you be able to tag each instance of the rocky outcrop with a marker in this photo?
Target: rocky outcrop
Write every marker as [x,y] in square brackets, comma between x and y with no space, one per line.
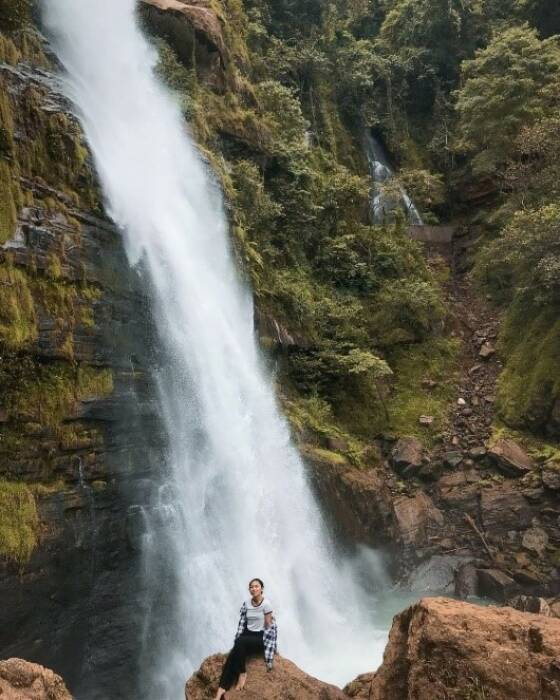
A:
[195,30]
[510,458]
[20,680]
[358,502]
[285,681]
[200,14]
[441,649]
[77,422]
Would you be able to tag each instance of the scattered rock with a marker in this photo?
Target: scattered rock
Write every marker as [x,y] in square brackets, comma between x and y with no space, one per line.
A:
[555,608]
[453,459]
[477,453]
[407,454]
[21,680]
[437,575]
[551,478]
[440,649]
[415,518]
[495,584]
[487,351]
[466,580]
[510,458]
[286,680]
[461,402]
[426,420]
[535,540]
[530,604]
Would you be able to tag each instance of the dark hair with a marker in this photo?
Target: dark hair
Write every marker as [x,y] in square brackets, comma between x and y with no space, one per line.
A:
[257,580]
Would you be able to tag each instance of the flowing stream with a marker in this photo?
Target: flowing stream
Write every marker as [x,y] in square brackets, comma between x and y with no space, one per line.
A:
[232,500]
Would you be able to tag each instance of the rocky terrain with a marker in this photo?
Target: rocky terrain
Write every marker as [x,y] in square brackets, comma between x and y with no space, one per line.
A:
[21,680]
[285,682]
[438,649]
[471,508]
[477,513]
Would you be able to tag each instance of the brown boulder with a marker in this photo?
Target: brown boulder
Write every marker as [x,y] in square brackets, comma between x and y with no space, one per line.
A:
[416,519]
[21,680]
[406,456]
[440,649]
[510,458]
[360,687]
[285,682]
[530,604]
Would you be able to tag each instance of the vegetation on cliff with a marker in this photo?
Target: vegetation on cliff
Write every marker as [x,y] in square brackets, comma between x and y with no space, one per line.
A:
[47,303]
[465,96]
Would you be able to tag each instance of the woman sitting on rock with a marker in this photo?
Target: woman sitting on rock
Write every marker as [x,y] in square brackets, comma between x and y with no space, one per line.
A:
[256,633]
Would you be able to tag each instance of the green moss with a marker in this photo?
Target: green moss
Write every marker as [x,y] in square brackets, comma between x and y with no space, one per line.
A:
[540,449]
[529,385]
[321,455]
[18,522]
[8,209]
[9,53]
[47,394]
[18,323]
[435,360]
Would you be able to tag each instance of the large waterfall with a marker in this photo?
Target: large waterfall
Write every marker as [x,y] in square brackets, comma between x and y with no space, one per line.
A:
[232,500]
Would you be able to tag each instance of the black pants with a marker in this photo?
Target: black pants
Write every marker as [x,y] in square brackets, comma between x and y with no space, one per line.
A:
[247,644]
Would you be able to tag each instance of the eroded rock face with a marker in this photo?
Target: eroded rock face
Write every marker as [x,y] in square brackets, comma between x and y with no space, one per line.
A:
[197,13]
[21,680]
[285,682]
[440,649]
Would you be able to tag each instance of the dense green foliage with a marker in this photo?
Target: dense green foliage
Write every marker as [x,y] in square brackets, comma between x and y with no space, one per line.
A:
[287,142]
[462,92]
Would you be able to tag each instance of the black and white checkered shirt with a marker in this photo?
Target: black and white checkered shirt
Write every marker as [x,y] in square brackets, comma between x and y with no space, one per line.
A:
[270,636]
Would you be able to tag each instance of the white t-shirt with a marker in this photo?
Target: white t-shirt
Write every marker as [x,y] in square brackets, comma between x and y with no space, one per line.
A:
[255,615]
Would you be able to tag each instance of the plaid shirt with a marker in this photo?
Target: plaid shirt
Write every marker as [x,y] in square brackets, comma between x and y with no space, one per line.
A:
[270,636]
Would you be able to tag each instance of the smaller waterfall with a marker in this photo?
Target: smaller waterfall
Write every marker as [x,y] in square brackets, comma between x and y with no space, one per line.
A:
[387,199]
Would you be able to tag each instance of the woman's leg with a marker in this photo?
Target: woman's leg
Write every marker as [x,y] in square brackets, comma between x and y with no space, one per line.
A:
[232,667]
[252,644]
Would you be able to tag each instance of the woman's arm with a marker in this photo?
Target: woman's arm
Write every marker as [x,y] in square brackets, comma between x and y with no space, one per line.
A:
[267,620]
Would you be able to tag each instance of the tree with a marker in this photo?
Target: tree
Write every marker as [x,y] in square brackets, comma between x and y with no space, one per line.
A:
[510,84]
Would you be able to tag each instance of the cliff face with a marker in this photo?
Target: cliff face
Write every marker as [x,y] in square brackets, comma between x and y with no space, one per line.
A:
[76,424]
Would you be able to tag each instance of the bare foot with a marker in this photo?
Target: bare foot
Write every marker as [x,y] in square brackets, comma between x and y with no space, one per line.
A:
[241,682]
[221,692]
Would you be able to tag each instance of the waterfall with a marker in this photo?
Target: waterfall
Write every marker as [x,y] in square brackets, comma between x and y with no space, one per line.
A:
[385,203]
[232,500]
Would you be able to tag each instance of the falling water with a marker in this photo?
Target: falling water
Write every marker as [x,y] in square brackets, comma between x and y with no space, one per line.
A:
[232,499]
[384,204]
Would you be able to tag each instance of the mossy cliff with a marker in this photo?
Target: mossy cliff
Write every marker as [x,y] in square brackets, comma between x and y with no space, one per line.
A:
[75,345]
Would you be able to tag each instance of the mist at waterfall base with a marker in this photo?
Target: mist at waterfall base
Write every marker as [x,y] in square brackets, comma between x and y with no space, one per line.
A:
[232,500]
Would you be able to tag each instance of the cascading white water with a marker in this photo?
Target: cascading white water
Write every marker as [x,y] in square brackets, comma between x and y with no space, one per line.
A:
[383,205]
[233,500]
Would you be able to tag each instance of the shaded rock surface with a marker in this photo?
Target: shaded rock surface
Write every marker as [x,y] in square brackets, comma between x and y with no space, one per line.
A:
[74,602]
[285,682]
[440,649]
[21,680]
